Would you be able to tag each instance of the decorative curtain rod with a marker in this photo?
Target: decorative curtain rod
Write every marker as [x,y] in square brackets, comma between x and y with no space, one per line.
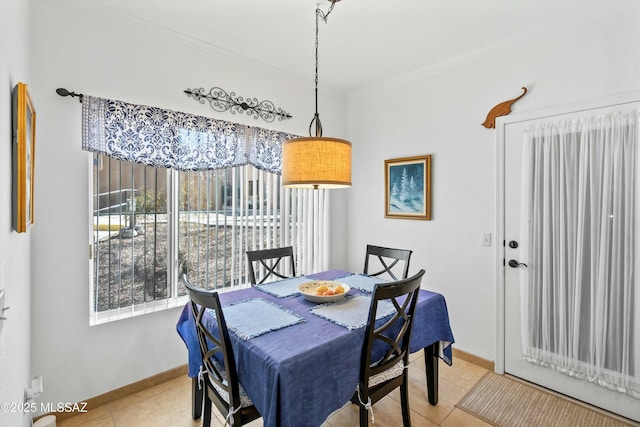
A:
[63,92]
[220,101]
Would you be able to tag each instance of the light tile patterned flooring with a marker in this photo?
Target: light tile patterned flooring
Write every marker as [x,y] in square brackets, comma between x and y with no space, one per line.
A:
[169,404]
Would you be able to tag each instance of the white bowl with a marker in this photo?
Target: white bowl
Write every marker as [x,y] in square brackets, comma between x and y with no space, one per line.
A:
[308,290]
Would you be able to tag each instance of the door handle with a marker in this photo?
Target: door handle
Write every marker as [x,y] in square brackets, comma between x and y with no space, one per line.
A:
[513,263]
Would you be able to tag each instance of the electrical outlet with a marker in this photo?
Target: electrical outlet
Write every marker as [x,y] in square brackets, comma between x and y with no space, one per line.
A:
[485,239]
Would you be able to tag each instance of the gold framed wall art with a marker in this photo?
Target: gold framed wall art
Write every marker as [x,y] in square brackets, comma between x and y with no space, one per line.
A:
[408,187]
[24,150]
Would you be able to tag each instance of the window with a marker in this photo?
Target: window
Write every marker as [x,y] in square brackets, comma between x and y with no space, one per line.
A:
[140,247]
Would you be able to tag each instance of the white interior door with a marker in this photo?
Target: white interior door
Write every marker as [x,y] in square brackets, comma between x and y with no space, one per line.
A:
[510,143]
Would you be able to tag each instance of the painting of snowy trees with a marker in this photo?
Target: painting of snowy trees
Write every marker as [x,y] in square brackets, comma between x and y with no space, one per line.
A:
[408,187]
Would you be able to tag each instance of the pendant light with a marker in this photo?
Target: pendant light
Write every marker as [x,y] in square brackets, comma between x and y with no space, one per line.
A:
[317,161]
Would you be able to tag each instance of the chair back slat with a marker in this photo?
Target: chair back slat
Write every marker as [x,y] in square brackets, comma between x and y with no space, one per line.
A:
[268,261]
[380,261]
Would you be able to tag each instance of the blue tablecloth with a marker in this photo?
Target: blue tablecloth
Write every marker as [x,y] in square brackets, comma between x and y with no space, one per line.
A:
[297,376]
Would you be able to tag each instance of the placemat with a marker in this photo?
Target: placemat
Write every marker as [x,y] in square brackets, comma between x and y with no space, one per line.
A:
[353,312]
[254,317]
[362,282]
[329,275]
[283,288]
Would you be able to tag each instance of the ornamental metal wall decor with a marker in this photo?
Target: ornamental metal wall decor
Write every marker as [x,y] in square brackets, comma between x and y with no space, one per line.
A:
[222,101]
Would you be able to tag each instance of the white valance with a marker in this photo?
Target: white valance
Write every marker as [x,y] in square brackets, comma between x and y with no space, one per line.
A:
[171,139]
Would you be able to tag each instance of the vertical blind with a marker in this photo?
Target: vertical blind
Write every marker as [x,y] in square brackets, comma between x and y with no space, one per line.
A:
[258,214]
[130,256]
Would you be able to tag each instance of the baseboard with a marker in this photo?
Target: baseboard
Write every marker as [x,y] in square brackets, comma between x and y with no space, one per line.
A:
[124,391]
[472,358]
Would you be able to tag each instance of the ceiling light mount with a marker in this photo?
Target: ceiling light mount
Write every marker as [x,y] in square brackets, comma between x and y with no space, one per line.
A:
[317,162]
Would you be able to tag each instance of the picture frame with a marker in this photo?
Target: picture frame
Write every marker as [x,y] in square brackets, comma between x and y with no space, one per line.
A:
[407,184]
[24,149]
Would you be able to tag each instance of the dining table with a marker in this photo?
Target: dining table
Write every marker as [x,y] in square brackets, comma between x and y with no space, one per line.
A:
[299,360]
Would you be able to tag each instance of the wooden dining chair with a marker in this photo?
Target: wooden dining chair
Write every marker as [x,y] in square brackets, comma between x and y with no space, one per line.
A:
[218,363]
[381,260]
[384,360]
[268,260]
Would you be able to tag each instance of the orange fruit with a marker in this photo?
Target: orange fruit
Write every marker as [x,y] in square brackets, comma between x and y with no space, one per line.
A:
[321,289]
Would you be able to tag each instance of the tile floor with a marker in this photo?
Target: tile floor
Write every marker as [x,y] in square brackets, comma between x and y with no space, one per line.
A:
[169,404]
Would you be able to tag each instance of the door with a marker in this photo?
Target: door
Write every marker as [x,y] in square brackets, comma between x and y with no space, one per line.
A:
[511,138]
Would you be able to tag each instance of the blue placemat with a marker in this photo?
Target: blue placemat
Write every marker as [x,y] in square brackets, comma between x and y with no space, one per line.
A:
[362,282]
[329,275]
[254,317]
[352,313]
[283,288]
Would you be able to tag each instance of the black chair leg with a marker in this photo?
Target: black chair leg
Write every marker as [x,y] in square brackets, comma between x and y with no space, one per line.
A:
[404,401]
[431,363]
[364,416]
[196,399]
[206,422]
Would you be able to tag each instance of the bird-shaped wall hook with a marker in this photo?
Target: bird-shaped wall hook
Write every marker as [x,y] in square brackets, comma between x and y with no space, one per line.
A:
[501,109]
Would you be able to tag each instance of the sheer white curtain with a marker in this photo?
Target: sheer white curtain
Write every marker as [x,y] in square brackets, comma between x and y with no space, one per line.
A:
[581,299]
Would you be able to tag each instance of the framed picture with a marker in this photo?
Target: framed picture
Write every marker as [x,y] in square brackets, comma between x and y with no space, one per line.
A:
[407,184]
[24,150]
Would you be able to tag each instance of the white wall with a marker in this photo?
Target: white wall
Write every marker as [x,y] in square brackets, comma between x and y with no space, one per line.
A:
[91,49]
[15,259]
[439,111]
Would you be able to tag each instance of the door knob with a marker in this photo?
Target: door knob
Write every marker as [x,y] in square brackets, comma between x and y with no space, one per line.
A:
[513,263]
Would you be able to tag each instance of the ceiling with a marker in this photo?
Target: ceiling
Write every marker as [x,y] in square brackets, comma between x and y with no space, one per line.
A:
[364,42]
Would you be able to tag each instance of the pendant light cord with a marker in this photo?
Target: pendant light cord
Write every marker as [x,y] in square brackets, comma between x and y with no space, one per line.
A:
[324,16]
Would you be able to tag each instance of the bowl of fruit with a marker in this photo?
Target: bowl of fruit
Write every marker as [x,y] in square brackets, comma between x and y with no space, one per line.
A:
[323,290]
